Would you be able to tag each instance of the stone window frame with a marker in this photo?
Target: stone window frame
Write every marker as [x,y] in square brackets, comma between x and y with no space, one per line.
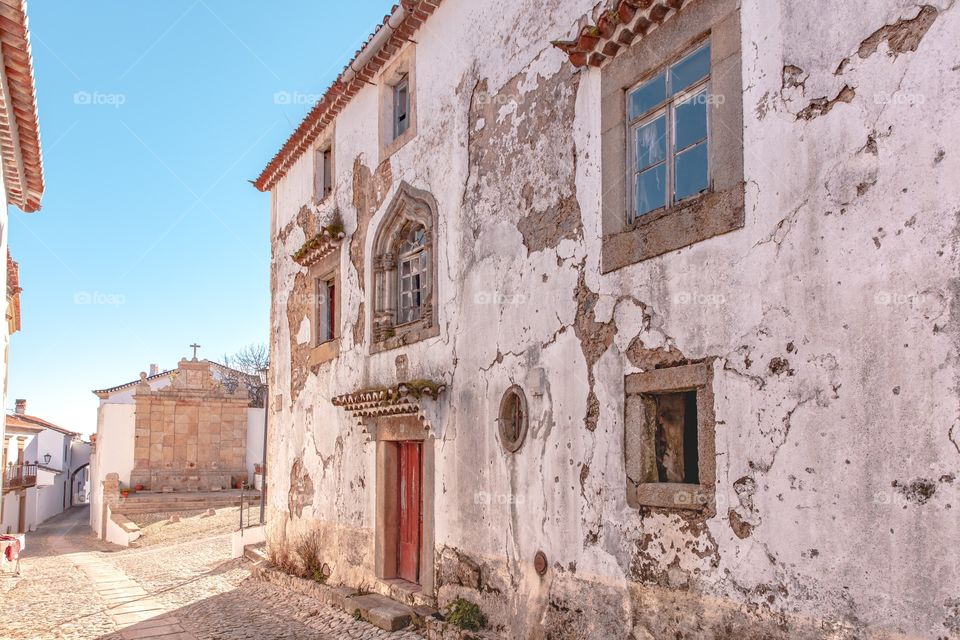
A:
[403,67]
[327,269]
[671,495]
[325,143]
[720,209]
[512,445]
[408,205]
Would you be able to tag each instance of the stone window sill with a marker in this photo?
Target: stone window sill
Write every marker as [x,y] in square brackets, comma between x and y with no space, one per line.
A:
[324,352]
[397,143]
[323,202]
[711,214]
[670,495]
[407,335]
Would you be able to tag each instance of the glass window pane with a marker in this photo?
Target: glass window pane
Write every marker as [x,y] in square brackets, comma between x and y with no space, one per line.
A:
[651,189]
[651,143]
[691,121]
[648,95]
[691,171]
[689,70]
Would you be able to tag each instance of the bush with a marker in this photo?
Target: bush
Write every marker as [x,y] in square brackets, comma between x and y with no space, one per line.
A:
[464,614]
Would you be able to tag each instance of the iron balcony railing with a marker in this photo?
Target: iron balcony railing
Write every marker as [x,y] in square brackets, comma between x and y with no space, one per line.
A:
[19,476]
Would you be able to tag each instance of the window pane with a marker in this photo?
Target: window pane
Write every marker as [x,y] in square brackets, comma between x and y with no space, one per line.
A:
[691,121]
[648,95]
[689,70]
[691,171]
[327,172]
[651,143]
[651,189]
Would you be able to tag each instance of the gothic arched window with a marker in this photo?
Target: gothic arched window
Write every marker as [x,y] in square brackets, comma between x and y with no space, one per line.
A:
[404,270]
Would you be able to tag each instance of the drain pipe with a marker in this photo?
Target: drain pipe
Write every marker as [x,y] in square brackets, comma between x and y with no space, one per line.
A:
[265,382]
[373,47]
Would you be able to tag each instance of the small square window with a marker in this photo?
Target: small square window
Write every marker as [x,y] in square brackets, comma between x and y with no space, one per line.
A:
[401,106]
[669,431]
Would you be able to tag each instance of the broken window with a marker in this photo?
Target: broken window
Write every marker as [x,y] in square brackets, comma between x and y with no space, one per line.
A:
[670,433]
[397,89]
[669,448]
[669,135]
[401,106]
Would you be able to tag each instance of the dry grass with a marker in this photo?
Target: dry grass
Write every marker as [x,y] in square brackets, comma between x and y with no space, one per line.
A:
[304,560]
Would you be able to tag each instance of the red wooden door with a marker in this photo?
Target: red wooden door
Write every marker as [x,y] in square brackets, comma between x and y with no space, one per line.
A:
[408,556]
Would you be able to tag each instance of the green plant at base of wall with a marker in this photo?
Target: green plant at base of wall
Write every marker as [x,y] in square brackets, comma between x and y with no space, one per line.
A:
[464,614]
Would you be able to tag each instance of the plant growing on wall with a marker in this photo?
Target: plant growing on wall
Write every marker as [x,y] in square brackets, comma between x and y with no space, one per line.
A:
[465,615]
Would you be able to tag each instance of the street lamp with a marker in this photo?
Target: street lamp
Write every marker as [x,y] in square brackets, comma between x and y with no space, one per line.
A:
[265,394]
[46,458]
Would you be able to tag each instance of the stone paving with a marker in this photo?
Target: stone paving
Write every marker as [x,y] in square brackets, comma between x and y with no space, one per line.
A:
[73,586]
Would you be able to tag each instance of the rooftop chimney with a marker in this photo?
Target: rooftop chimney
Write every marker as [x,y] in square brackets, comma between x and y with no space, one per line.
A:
[154,370]
[20,406]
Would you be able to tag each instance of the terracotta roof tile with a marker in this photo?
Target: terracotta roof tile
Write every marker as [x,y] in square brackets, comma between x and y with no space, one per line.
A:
[32,422]
[621,24]
[19,126]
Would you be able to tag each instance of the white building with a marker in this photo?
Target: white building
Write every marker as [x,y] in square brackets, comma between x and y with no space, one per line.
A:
[45,471]
[197,430]
[629,319]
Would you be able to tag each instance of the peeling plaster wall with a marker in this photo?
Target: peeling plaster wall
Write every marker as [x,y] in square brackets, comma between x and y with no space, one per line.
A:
[832,314]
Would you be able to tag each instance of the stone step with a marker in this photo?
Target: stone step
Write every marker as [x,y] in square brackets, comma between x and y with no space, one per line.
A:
[147,496]
[376,609]
[255,552]
[182,504]
[380,611]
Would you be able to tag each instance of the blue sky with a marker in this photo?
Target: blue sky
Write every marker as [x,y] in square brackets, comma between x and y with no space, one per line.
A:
[153,116]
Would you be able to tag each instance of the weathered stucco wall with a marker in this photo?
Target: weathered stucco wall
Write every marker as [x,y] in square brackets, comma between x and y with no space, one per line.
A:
[831,315]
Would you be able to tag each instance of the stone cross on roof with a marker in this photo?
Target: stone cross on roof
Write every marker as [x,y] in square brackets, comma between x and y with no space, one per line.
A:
[194,346]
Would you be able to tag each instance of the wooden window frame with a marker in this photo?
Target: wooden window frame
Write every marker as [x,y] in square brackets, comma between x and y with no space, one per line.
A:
[666,108]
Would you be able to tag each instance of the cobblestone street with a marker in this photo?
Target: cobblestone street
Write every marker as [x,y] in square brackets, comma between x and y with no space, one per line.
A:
[73,586]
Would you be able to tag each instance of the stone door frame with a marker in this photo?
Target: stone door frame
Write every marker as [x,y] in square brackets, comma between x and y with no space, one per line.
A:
[390,430]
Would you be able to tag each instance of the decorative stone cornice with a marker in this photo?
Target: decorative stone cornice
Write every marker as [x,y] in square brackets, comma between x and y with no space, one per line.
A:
[319,246]
[404,398]
[622,25]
